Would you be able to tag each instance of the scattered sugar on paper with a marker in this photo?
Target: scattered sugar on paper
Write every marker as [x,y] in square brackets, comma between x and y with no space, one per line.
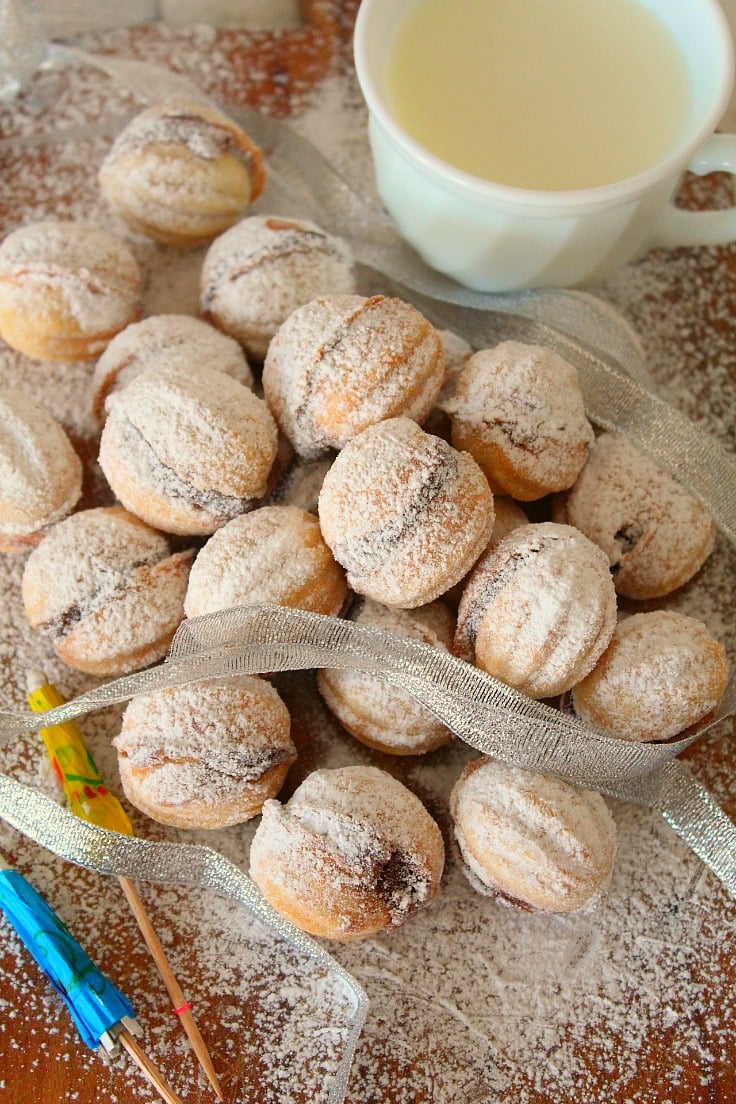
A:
[544,991]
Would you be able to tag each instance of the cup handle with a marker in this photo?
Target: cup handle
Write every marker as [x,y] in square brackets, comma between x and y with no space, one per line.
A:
[679,227]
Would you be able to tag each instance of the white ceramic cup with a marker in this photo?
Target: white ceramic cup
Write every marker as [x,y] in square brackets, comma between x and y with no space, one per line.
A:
[493,237]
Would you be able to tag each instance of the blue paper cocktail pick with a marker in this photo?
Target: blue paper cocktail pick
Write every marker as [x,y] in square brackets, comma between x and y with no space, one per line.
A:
[103,1015]
[94,1002]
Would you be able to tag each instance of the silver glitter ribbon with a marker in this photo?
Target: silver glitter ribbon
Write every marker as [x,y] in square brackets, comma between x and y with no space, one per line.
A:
[485,713]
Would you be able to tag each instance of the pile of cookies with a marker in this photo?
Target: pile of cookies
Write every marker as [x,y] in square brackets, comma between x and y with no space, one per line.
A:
[465,502]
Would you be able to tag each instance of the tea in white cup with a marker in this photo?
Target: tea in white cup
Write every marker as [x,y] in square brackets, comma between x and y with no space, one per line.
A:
[564,169]
[539,94]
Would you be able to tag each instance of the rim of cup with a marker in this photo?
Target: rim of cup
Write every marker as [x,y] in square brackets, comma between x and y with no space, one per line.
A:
[371,14]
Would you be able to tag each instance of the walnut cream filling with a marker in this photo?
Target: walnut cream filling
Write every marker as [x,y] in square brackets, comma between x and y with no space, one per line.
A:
[182,174]
[404,513]
[258,272]
[40,473]
[351,853]
[160,341]
[661,673]
[341,363]
[187,448]
[66,289]
[519,412]
[656,535]
[534,841]
[206,755]
[538,610]
[106,590]
[276,555]
[378,714]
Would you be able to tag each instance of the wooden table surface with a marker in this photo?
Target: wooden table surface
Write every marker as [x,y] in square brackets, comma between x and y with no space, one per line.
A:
[668,941]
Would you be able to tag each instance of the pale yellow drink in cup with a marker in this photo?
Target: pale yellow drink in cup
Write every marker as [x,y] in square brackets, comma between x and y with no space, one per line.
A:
[565,93]
[560,225]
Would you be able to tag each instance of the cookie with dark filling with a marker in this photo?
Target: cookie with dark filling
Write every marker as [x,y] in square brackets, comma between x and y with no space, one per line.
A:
[106,590]
[342,363]
[182,173]
[405,514]
[353,852]
[263,268]
[538,609]
[655,533]
[205,755]
[518,409]
[187,448]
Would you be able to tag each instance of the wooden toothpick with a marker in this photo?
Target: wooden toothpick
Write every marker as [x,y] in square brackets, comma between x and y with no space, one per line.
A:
[178,1000]
[145,1064]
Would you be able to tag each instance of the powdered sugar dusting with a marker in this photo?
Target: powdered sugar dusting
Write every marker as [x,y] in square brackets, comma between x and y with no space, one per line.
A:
[537,840]
[387,507]
[518,409]
[654,533]
[341,363]
[470,1002]
[40,473]
[92,272]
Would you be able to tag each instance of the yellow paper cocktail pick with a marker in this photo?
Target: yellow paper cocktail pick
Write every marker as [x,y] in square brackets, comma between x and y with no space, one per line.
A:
[76,771]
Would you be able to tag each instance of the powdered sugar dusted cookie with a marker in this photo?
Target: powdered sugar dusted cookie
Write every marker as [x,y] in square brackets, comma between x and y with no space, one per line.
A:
[274,555]
[661,673]
[66,289]
[342,363]
[405,514]
[518,410]
[181,173]
[655,533]
[159,341]
[106,590]
[351,853]
[532,840]
[538,610]
[187,448]
[205,755]
[375,712]
[261,270]
[40,473]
